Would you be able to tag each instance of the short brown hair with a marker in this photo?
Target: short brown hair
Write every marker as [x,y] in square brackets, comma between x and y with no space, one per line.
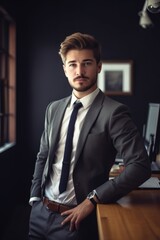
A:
[80,41]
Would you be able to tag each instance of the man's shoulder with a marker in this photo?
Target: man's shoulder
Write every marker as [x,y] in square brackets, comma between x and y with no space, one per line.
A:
[112,103]
[57,103]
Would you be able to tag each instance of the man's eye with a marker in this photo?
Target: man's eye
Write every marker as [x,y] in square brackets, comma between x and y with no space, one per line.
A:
[87,64]
[72,65]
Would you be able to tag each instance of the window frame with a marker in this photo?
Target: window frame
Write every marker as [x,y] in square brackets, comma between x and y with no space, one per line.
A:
[7,81]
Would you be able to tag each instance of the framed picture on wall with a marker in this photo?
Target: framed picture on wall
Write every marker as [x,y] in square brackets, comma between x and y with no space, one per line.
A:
[115,77]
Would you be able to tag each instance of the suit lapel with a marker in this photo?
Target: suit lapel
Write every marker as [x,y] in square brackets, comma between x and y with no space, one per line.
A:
[57,118]
[89,121]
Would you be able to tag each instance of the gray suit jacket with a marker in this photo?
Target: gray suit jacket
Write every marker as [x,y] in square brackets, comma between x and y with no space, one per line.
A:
[107,129]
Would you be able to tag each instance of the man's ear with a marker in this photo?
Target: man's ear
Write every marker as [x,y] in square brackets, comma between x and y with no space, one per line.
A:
[64,68]
[99,66]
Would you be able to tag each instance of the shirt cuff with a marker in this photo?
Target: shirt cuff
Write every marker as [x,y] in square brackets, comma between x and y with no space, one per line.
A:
[33,199]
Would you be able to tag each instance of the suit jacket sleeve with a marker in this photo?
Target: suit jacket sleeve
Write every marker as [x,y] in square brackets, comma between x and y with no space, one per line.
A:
[53,117]
[128,142]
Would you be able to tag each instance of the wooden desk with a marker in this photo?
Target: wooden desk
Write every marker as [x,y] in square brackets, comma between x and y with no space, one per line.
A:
[134,217]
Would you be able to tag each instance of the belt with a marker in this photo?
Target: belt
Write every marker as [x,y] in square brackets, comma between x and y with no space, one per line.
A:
[56,207]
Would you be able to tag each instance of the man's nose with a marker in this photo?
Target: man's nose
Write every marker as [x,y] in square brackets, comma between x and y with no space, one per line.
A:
[80,70]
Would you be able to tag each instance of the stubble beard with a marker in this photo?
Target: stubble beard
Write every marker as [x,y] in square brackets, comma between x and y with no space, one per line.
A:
[83,88]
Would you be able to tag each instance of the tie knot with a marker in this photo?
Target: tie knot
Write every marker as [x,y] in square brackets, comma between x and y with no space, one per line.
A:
[77,105]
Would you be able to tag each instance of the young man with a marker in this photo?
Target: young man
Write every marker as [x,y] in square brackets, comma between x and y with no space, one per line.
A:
[103,128]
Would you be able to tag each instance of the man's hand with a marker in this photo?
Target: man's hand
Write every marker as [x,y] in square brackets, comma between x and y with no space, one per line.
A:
[77,214]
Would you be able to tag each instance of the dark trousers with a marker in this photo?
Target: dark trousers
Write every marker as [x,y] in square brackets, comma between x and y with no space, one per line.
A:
[45,224]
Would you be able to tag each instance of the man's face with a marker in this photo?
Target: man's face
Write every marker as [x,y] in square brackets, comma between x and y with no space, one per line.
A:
[82,70]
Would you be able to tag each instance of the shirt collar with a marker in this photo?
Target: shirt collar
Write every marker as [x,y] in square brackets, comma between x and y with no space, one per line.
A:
[87,100]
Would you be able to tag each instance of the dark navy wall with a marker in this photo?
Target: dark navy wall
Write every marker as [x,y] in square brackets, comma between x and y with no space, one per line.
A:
[41,26]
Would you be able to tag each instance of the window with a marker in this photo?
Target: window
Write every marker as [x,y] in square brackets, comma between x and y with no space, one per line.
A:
[7,80]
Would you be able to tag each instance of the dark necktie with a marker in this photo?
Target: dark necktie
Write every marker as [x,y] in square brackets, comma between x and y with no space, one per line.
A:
[68,149]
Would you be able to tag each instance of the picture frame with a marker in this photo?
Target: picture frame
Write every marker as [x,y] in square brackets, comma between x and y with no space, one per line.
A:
[116,77]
